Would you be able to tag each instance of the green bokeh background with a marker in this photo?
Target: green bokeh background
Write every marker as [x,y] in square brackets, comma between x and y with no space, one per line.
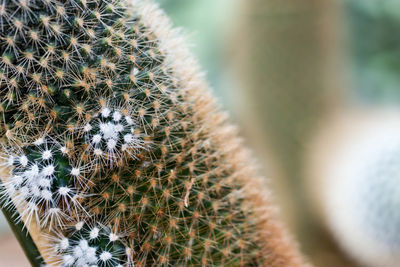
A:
[374,38]
[208,29]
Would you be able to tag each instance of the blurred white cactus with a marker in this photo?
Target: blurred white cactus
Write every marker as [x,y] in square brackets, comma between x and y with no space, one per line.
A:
[358,186]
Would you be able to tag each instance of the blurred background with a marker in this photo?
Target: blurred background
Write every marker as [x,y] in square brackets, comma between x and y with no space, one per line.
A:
[315,87]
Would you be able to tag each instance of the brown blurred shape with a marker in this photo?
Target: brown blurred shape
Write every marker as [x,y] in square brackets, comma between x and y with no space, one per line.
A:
[11,254]
[289,56]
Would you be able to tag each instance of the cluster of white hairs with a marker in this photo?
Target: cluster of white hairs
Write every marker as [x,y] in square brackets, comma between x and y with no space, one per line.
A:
[88,245]
[111,135]
[41,179]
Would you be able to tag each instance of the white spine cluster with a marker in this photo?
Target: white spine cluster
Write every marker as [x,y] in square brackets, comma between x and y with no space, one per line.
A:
[111,135]
[89,246]
[33,185]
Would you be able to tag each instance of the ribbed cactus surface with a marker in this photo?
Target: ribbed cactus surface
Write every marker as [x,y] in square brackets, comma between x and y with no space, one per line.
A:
[111,142]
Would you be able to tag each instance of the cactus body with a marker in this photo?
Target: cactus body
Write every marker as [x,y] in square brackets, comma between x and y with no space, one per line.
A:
[141,148]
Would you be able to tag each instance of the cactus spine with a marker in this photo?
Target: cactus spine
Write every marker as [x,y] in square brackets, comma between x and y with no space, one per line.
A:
[114,145]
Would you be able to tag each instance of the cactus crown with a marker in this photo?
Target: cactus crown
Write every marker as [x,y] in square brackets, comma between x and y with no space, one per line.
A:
[106,128]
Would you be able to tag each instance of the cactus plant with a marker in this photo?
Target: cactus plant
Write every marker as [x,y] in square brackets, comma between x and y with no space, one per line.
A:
[114,148]
[356,184]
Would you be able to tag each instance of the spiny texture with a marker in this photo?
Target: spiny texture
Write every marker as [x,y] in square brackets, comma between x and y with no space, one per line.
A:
[143,146]
[110,135]
[63,60]
[42,179]
[89,245]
